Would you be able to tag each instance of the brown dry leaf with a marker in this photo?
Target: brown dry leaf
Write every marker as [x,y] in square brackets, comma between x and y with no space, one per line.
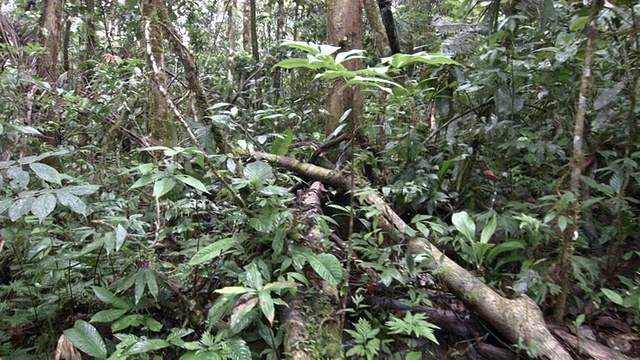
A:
[65,350]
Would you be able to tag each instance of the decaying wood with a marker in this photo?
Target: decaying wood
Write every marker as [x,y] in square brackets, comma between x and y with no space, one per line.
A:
[585,347]
[298,344]
[294,324]
[519,320]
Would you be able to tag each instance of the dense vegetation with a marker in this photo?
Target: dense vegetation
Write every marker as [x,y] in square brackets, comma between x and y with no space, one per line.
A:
[175,181]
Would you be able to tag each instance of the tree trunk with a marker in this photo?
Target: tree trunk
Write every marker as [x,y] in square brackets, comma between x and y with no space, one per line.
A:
[195,87]
[277,75]
[570,235]
[389,25]
[47,67]
[158,116]
[375,22]
[246,26]
[255,51]
[232,39]
[344,29]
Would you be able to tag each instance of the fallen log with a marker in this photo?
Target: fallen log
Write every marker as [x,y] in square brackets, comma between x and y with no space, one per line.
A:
[518,320]
[300,334]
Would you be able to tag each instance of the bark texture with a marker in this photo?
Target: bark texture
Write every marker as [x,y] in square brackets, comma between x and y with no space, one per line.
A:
[344,29]
[158,114]
[47,68]
[377,27]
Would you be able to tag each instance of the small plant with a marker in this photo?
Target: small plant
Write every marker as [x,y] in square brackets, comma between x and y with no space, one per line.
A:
[366,342]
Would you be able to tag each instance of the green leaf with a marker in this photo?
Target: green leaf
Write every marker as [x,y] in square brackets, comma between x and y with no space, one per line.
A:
[211,251]
[234,290]
[147,345]
[254,277]
[239,316]
[562,222]
[19,178]
[140,284]
[120,236]
[489,230]
[4,205]
[308,47]
[238,349]
[134,320]
[107,297]
[152,284]
[46,173]
[86,338]
[73,202]
[163,186]
[108,315]
[82,189]
[20,208]
[280,145]
[279,285]
[504,247]
[144,180]
[266,305]
[613,296]
[465,225]
[43,205]
[579,24]
[327,266]
[193,182]
[258,173]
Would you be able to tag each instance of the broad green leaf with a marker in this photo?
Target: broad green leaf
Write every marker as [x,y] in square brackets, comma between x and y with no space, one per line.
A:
[82,189]
[234,290]
[46,173]
[501,248]
[144,180]
[163,186]
[347,55]
[120,236]
[266,305]
[562,222]
[20,208]
[193,182]
[134,320]
[254,277]
[211,251]
[279,285]
[86,338]
[579,24]
[43,205]
[258,173]
[280,145]
[109,298]
[245,304]
[73,202]
[19,178]
[4,205]
[108,315]
[294,63]
[152,284]
[238,349]
[489,230]
[147,345]
[308,47]
[327,266]
[152,324]
[613,296]
[465,225]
